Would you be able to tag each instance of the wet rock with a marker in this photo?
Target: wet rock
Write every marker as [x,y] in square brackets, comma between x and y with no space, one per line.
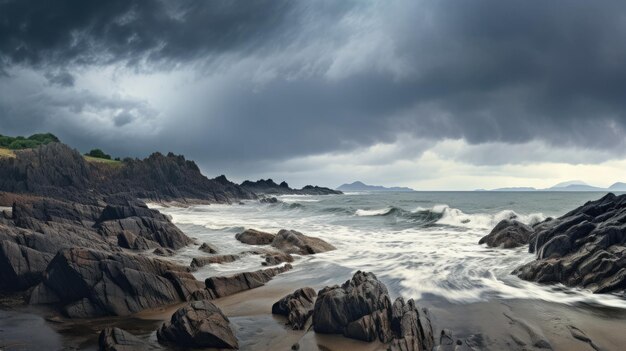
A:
[297,307]
[508,234]
[208,248]
[276,258]
[87,283]
[255,237]
[228,285]
[361,309]
[269,200]
[161,251]
[159,232]
[21,267]
[585,247]
[199,324]
[116,339]
[198,262]
[294,242]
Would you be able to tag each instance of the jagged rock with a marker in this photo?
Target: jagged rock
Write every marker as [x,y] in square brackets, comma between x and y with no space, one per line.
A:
[89,283]
[208,248]
[158,231]
[585,247]
[361,309]
[268,186]
[255,237]
[20,266]
[116,339]
[294,242]
[269,200]
[161,251]
[338,306]
[199,324]
[508,234]
[297,307]
[228,285]
[276,258]
[198,262]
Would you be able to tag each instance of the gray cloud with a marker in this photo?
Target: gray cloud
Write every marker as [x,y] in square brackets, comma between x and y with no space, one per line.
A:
[276,80]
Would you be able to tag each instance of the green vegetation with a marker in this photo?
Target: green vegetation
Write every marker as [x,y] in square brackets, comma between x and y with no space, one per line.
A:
[20,142]
[97,153]
[104,161]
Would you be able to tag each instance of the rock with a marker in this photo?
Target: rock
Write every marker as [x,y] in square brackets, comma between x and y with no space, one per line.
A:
[20,266]
[276,258]
[228,285]
[198,262]
[208,248]
[361,309]
[508,234]
[116,339]
[297,307]
[255,237]
[199,324]
[268,186]
[585,247]
[155,232]
[337,306]
[161,251]
[87,283]
[269,200]
[293,242]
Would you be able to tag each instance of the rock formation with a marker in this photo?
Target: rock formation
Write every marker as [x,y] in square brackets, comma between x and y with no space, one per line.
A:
[297,307]
[268,186]
[116,339]
[228,285]
[294,242]
[508,234]
[199,324]
[255,237]
[585,247]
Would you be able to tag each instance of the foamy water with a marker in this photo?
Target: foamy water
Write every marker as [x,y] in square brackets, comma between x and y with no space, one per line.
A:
[421,244]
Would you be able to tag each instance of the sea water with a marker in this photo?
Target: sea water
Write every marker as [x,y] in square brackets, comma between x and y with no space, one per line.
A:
[420,244]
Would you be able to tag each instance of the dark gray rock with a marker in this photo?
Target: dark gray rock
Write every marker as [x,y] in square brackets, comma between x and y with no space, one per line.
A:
[294,242]
[585,247]
[116,339]
[208,248]
[508,234]
[297,307]
[228,285]
[199,324]
[276,258]
[88,283]
[255,237]
[268,186]
[21,267]
[198,262]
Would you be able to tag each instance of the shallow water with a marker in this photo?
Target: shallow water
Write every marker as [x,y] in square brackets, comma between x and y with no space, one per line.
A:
[421,244]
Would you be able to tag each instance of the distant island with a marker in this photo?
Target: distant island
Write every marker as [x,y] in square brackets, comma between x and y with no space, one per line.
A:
[360,186]
[572,185]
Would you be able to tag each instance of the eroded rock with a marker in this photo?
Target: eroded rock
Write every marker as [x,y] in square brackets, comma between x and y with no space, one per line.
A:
[508,234]
[232,284]
[297,307]
[116,339]
[255,237]
[294,242]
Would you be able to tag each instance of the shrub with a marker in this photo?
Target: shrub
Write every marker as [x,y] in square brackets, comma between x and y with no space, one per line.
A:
[97,153]
[20,142]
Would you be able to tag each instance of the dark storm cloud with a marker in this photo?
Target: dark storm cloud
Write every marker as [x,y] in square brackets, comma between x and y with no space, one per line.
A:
[62,78]
[344,75]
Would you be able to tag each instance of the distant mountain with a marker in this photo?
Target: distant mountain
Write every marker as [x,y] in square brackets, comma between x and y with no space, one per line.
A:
[619,186]
[269,187]
[572,185]
[360,186]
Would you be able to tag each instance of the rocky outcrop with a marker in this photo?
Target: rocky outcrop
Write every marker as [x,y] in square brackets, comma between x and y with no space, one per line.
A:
[208,248]
[198,262]
[276,258]
[255,237]
[508,234]
[297,307]
[361,309]
[116,339]
[199,324]
[268,186]
[585,247]
[90,283]
[228,285]
[21,267]
[294,242]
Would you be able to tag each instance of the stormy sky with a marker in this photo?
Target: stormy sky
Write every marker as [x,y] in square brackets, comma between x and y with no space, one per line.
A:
[429,94]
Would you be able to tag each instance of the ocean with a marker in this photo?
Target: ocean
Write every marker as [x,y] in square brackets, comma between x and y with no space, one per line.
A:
[422,245]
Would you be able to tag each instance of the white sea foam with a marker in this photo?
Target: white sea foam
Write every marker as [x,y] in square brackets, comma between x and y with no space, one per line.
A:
[376,212]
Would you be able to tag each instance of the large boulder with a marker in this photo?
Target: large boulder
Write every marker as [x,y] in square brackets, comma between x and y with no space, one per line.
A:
[361,309]
[21,267]
[294,242]
[87,283]
[199,324]
[232,284]
[255,237]
[508,234]
[585,247]
[198,262]
[116,339]
[297,307]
